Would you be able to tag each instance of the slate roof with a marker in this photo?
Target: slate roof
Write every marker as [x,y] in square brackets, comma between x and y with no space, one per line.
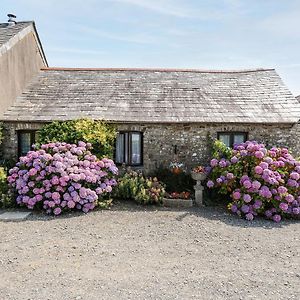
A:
[7,32]
[159,96]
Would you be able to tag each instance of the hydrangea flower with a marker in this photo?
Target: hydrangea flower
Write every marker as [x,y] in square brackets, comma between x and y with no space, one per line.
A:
[266,182]
[247,198]
[276,218]
[210,184]
[249,216]
[236,195]
[60,176]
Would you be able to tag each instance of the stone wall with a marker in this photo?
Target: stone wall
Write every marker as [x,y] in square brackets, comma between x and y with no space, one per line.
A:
[191,140]
[9,147]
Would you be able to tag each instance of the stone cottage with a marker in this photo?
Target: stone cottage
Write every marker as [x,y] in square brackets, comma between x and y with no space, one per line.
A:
[161,114]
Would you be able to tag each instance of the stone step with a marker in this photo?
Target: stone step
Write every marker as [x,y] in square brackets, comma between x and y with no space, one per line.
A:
[14,215]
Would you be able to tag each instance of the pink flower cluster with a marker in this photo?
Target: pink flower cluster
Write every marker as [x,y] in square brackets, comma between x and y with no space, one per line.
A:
[61,176]
[259,181]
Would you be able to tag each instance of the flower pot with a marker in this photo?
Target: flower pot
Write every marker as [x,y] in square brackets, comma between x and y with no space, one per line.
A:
[176,170]
[177,202]
[198,176]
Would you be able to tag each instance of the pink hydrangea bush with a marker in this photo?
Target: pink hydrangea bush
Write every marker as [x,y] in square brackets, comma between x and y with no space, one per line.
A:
[60,177]
[259,181]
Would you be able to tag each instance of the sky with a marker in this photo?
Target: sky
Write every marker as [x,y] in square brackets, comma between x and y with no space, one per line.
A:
[197,34]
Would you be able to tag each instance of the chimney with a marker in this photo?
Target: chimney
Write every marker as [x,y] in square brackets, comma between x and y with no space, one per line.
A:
[11,20]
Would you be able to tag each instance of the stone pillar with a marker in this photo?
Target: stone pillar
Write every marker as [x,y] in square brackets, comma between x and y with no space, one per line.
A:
[198,187]
[199,193]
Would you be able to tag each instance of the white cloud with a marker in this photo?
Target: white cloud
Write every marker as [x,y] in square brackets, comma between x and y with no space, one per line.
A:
[162,7]
[179,8]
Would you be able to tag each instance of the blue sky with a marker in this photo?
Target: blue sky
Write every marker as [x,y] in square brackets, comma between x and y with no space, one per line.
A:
[211,34]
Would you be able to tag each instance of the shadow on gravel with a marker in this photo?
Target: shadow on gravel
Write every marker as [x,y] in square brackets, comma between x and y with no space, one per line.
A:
[221,214]
[213,213]
[117,206]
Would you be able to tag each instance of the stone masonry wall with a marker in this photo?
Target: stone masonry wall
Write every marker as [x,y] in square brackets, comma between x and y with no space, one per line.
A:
[10,142]
[191,140]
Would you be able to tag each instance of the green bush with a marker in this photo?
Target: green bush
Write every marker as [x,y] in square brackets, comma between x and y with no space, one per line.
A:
[181,182]
[98,133]
[1,133]
[6,198]
[143,190]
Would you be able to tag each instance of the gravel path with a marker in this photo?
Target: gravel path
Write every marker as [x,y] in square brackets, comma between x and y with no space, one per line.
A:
[137,253]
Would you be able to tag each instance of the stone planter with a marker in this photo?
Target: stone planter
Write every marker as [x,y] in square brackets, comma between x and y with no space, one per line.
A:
[177,202]
[198,176]
[198,187]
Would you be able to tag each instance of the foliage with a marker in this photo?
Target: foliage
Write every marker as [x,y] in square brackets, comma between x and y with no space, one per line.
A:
[176,195]
[257,180]
[175,182]
[220,150]
[199,169]
[6,199]
[134,186]
[98,133]
[3,181]
[176,165]
[1,133]
[61,177]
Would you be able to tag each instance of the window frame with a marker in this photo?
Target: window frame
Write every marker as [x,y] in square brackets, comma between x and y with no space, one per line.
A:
[129,148]
[231,136]
[32,139]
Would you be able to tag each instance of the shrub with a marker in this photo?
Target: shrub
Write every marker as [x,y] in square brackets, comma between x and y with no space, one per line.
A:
[1,132]
[6,199]
[98,133]
[143,190]
[175,182]
[257,180]
[61,176]
[3,181]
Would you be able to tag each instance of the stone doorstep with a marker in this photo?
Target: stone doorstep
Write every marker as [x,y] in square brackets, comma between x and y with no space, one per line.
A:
[177,202]
[14,215]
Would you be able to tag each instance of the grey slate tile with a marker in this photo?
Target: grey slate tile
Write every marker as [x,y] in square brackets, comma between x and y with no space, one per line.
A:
[128,95]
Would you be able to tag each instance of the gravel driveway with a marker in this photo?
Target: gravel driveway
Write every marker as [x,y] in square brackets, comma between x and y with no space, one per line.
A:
[131,252]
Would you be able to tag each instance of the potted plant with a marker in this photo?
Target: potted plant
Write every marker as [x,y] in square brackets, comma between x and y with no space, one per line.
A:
[176,167]
[198,173]
[177,195]
[178,199]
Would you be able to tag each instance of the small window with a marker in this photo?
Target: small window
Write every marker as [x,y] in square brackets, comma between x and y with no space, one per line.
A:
[232,138]
[25,141]
[129,148]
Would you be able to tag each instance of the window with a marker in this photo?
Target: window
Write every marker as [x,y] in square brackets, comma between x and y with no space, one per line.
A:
[129,148]
[232,138]
[25,141]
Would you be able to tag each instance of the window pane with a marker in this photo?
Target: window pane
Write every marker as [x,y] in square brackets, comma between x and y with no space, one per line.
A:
[136,148]
[120,144]
[225,138]
[238,138]
[126,136]
[25,143]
